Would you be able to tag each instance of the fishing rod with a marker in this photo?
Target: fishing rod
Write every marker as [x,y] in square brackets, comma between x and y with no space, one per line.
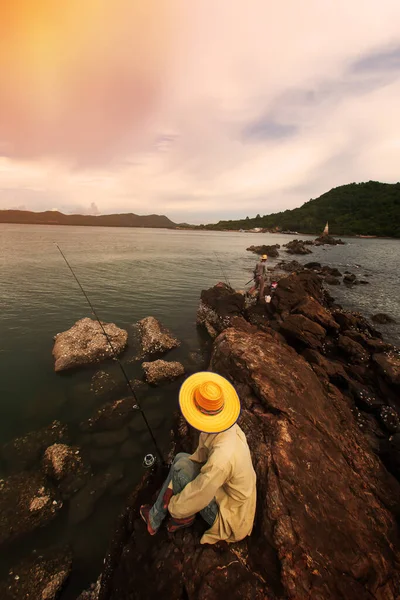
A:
[252,279]
[148,458]
[222,270]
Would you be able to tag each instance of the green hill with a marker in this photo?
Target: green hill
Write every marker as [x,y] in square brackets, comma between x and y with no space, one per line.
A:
[370,208]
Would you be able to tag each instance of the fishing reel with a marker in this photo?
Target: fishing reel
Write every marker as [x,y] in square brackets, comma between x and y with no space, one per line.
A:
[149,461]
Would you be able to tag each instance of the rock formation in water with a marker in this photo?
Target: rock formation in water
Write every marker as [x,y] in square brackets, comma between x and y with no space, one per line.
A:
[160,371]
[85,343]
[155,338]
[297,247]
[270,251]
[320,395]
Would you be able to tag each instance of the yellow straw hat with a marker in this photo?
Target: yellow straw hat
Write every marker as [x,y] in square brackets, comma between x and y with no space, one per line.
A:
[264,257]
[209,402]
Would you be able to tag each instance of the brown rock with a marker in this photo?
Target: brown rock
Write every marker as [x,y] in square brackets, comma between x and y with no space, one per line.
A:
[353,350]
[314,311]
[155,338]
[325,503]
[331,280]
[218,306]
[85,343]
[389,366]
[158,371]
[298,329]
[297,247]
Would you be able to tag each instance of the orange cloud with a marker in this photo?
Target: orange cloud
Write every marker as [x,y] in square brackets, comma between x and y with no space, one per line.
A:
[79,78]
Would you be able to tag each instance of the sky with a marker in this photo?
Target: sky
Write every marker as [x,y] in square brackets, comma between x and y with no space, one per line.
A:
[197,109]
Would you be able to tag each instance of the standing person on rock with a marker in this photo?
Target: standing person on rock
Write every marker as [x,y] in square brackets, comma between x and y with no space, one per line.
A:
[218,480]
[259,277]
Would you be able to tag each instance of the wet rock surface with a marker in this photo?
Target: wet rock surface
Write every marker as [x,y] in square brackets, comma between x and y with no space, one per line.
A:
[85,343]
[218,306]
[272,251]
[25,451]
[27,501]
[289,267]
[155,338]
[159,371]
[38,578]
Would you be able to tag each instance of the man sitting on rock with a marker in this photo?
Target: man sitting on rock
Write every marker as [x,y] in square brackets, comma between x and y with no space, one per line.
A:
[259,277]
[218,480]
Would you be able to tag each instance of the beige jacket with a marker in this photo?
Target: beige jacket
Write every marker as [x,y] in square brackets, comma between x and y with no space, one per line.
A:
[228,475]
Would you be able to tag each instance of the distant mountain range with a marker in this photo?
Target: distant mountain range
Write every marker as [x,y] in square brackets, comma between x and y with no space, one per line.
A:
[53,217]
[371,209]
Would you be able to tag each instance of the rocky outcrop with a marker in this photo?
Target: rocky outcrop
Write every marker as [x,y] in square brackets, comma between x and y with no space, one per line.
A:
[271,251]
[297,247]
[40,578]
[329,240]
[349,278]
[219,306]
[85,343]
[326,505]
[27,501]
[382,319]
[155,338]
[319,427]
[25,451]
[159,371]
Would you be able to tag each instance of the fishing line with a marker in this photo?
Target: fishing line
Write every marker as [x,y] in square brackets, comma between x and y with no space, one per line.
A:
[147,461]
[222,270]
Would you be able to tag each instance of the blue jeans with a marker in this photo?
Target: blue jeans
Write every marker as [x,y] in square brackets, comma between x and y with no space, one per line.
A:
[182,471]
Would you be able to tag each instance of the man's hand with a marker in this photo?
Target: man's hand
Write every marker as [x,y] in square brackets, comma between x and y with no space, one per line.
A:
[167,497]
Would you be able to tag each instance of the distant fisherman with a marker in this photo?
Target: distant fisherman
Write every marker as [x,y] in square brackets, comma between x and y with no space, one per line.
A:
[259,277]
[217,481]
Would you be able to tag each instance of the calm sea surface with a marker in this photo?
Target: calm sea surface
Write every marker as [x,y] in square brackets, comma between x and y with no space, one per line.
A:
[129,274]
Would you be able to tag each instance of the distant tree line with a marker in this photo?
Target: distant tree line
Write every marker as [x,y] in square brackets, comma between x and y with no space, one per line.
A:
[371,208]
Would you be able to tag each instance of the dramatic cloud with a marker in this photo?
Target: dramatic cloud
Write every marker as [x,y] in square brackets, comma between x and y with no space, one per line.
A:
[195,108]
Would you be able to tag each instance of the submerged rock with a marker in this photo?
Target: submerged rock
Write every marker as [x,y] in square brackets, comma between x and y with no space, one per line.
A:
[102,383]
[27,502]
[112,415]
[25,451]
[270,251]
[155,338]
[349,278]
[297,247]
[40,578]
[82,504]
[382,319]
[330,280]
[85,343]
[158,371]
